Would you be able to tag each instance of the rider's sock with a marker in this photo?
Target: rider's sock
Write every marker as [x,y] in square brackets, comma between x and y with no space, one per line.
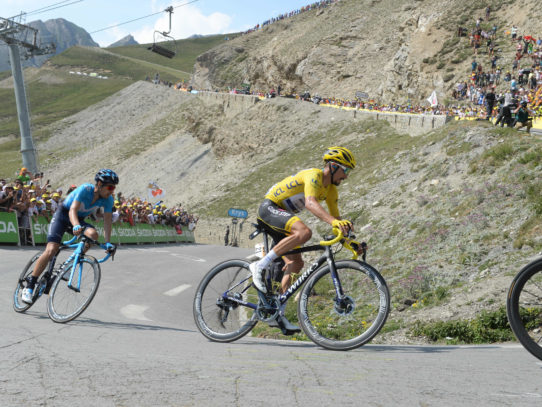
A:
[268,258]
[31,281]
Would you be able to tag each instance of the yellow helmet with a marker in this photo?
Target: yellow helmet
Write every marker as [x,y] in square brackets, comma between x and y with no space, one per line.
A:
[340,155]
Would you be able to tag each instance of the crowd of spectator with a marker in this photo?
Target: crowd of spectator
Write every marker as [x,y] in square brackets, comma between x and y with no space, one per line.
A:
[280,17]
[28,196]
[517,89]
[136,210]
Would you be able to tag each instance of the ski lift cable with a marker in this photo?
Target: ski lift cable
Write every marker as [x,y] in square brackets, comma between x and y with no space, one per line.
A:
[48,8]
[54,8]
[141,18]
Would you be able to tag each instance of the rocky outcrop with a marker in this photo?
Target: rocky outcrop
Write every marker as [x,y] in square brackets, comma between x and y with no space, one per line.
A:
[391,51]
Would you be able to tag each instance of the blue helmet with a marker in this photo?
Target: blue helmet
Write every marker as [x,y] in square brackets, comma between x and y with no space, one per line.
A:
[107,177]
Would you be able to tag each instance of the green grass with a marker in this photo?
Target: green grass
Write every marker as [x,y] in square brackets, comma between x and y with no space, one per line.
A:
[187,51]
[5,74]
[113,65]
[47,104]
[123,66]
[487,327]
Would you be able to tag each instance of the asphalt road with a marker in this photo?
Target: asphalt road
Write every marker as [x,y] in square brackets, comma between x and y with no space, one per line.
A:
[137,345]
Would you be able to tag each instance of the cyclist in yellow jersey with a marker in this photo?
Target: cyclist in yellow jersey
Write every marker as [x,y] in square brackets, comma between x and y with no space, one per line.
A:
[306,189]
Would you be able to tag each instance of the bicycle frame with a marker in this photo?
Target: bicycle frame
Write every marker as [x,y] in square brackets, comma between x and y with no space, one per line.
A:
[77,256]
[327,256]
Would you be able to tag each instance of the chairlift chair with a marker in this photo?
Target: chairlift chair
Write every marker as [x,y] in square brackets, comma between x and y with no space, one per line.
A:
[160,49]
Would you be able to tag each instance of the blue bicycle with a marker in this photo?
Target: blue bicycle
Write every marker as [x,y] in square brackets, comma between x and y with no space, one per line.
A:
[71,286]
[343,304]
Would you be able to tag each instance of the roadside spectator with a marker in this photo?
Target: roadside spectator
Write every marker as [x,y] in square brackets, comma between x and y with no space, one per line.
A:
[514,32]
[7,197]
[227,236]
[55,201]
[522,117]
[490,102]
[24,175]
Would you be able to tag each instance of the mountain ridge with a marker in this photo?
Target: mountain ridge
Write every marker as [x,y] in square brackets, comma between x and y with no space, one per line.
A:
[63,33]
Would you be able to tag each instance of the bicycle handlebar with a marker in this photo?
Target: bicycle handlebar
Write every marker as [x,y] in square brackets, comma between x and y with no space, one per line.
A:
[70,243]
[338,236]
[346,242]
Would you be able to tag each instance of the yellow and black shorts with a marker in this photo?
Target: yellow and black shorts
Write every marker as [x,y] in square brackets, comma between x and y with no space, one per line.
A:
[276,221]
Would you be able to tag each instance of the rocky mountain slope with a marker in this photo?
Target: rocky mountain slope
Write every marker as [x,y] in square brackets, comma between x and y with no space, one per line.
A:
[396,51]
[62,33]
[128,40]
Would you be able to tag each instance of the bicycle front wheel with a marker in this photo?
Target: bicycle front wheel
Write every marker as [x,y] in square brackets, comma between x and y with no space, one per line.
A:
[68,302]
[218,317]
[524,307]
[18,304]
[351,322]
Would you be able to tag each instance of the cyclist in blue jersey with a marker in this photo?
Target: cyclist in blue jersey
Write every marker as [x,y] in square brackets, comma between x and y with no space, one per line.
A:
[69,217]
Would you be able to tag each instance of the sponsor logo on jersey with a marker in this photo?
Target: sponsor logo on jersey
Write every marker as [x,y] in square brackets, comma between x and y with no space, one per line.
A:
[278,191]
[293,184]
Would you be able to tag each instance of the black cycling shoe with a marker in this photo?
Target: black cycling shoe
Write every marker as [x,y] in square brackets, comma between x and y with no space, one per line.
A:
[286,326]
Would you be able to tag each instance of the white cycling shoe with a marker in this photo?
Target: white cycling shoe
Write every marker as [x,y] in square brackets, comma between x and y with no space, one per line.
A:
[257,277]
[26,295]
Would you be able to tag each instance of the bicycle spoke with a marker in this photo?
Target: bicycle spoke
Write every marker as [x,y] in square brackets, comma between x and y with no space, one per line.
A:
[66,302]
[219,318]
[18,304]
[349,322]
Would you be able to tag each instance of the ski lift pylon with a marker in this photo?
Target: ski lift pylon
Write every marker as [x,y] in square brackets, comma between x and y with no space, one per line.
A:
[159,49]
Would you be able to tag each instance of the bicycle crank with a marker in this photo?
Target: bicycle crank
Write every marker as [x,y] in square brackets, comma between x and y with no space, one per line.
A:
[268,308]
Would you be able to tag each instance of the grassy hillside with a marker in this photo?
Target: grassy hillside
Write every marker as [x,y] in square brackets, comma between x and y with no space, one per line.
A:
[110,64]
[54,94]
[187,51]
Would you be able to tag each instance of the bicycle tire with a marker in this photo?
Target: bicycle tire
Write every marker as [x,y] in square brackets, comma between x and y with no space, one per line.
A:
[65,303]
[524,307]
[210,309]
[18,304]
[336,328]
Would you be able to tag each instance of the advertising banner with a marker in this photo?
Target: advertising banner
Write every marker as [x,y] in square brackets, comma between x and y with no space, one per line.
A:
[40,229]
[9,228]
[121,233]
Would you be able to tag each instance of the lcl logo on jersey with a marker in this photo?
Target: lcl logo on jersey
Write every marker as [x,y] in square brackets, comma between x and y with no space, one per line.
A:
[293,184]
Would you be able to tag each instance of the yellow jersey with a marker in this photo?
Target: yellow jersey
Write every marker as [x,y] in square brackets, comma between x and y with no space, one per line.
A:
[290,193]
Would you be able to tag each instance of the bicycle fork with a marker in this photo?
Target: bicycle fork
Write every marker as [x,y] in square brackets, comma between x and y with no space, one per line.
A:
[344,304]
[76,262]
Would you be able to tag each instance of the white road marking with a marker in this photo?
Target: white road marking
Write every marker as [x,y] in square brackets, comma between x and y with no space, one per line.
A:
[133,311]
[186,256]
[177,290]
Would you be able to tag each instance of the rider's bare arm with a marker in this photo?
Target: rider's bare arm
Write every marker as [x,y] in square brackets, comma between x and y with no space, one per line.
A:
[74,219]
[108,216]
[314,207]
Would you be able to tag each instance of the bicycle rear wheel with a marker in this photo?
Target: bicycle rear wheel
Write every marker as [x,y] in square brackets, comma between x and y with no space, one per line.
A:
[218,318]
[67,303]
[352,322]
[524,307]
[18,304]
